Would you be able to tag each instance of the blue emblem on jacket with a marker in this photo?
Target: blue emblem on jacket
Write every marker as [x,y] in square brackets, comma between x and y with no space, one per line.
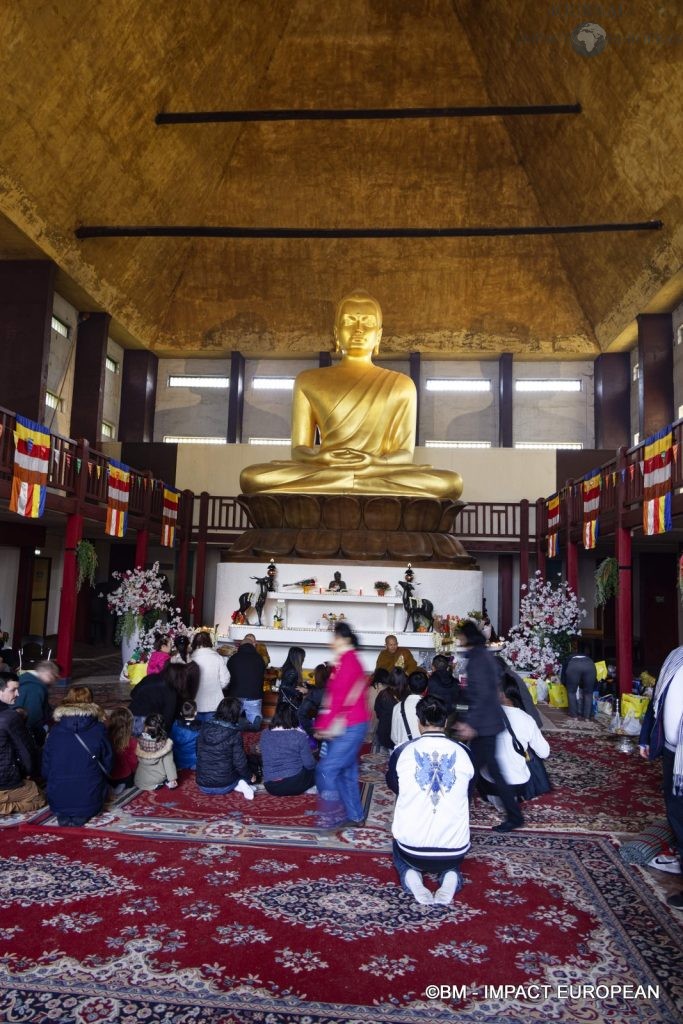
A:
[435,773]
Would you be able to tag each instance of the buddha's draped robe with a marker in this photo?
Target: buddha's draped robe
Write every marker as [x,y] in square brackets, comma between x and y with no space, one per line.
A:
[374,414]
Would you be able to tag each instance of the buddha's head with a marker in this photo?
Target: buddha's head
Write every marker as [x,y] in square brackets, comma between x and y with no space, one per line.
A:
[358,325]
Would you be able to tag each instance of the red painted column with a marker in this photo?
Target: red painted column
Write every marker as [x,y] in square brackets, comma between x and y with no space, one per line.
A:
[541,539]
[74,533]
[67,606]
[141,546]
[572,546]
[201,558]
[624,598]
[142,539]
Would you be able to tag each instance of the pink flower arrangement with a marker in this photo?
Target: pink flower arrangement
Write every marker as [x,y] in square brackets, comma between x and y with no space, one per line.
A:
[549,616]
[140,591]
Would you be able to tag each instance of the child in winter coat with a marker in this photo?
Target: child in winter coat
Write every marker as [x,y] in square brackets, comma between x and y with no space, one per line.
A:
[156,767]
[160,655]
[185,733]
[221,762]
[124,744]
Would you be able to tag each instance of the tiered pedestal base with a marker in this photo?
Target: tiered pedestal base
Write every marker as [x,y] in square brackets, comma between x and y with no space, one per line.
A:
[351,527]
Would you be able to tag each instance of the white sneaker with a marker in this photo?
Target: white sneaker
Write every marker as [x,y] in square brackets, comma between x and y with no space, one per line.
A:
[666,862]
[245,789]
[449,887]
[413,880]
[311,791]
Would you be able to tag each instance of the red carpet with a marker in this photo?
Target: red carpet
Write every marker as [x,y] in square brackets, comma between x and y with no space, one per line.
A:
[103,928]
[597,789]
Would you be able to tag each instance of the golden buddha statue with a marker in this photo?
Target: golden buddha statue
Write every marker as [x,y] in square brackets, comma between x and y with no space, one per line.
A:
[366,419]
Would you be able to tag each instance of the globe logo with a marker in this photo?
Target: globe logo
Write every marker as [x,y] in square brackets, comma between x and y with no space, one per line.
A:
[589,39]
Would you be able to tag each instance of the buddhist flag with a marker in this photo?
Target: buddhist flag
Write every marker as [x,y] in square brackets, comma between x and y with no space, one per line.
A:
[552,506]
[118,493]
[32,443]
[169,516]
[591,507]
[658,452]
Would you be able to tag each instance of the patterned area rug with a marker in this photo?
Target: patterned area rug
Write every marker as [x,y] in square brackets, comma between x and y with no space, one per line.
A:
[598,791]
[105,929]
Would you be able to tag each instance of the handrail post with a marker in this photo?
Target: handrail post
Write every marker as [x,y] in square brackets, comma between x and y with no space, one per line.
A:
[572,546]
[523,542]
[541,538]
[185,523]
[201,558]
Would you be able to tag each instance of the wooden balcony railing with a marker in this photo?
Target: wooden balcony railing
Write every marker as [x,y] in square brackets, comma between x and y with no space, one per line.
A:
[621,490]
[78,479]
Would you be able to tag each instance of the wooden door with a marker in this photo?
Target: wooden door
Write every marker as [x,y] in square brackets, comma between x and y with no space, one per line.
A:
[658,608]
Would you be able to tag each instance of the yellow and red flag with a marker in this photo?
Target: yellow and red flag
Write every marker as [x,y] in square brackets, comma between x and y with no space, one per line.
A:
[657,469]
[591,507]
[169,516]
[552,506]
[118,493]
[32,442]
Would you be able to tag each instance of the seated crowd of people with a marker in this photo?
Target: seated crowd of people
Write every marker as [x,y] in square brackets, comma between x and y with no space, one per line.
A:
[192,712]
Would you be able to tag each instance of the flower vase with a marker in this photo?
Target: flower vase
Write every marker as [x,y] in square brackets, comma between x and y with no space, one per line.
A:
[129,643]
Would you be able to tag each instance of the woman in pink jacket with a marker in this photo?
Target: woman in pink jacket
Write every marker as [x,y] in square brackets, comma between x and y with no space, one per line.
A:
[343,724]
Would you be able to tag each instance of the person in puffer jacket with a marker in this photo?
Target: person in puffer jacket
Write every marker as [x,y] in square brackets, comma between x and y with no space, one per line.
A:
[156,767]
[221,761]
[77,759]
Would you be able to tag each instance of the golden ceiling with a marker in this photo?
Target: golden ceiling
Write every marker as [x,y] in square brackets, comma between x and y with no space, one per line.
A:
[81,84]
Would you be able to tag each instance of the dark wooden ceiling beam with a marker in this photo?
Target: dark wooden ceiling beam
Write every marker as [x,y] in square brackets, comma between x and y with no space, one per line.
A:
[370,114]
[212,231]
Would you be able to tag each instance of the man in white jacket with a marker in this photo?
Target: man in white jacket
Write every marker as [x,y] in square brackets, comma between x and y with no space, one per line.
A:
[667,711]
[430,776]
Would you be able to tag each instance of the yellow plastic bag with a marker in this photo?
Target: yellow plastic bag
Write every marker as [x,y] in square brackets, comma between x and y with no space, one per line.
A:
[601,670]
[633,705]
[136,671]
[557,695]
[531,687]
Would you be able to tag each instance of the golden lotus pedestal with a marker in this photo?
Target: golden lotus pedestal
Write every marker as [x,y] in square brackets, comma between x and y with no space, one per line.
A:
[356,528]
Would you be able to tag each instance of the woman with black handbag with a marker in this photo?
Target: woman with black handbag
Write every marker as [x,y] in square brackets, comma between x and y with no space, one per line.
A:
[520,750]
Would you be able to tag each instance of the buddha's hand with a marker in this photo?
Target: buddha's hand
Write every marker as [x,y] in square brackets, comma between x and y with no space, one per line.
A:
[348,457]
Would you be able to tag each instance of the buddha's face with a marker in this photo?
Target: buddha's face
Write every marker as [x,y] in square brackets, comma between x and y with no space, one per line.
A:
[358,329]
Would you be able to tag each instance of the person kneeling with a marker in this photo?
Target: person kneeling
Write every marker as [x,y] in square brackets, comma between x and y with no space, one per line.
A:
[431,827]
[156,767]
[221,761]
[288,762]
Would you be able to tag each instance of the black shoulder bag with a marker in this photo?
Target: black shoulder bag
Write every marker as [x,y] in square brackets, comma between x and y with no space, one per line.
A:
[538,782]
[405,719]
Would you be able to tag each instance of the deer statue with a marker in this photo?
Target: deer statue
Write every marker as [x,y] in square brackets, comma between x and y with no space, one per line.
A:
[417,609]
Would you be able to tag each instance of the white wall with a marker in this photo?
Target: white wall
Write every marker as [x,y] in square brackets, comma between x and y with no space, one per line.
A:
[61,364]
[269,413]
[557,417]
[195,412]
[495,474]
[677,317]
[459,416]
[111,404]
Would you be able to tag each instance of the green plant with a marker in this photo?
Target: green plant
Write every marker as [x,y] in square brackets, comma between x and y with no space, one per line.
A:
[86,562]
[606,581]
[476,615]
[382,585]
